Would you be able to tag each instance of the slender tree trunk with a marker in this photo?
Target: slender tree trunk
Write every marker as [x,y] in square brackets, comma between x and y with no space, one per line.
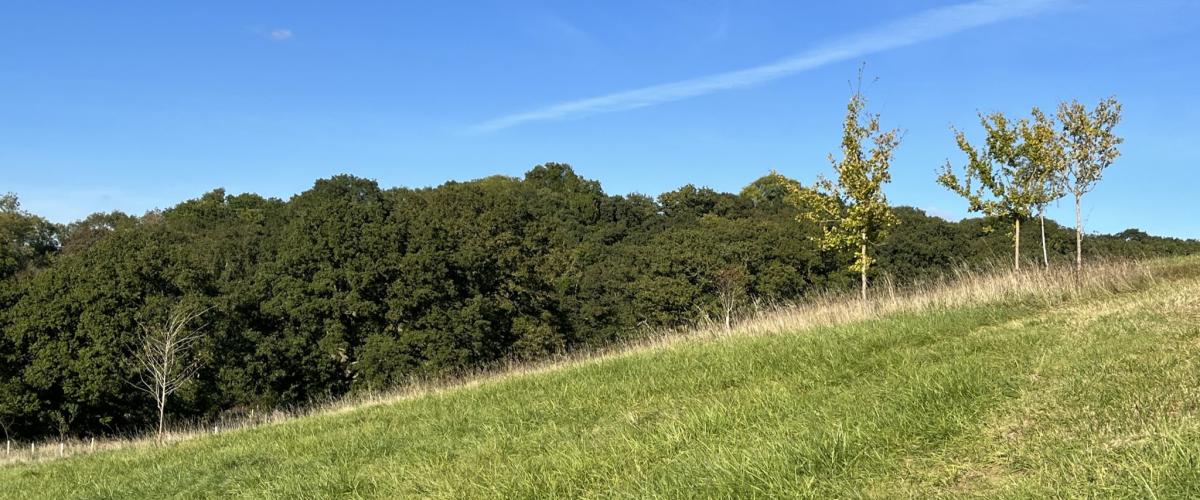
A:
[162,403]
[1078,236]
[1045,254]
[1016,244]
[864,271]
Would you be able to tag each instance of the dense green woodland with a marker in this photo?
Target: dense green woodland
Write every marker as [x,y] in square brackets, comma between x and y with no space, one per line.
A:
[350,287]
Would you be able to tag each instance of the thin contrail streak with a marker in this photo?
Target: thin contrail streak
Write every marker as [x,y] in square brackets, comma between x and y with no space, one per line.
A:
[924,26]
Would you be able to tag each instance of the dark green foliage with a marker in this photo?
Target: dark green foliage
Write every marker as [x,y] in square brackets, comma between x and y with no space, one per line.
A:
[350,287]
[928,246]
[25,239]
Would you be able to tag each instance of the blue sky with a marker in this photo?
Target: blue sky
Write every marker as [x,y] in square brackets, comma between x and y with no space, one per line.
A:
[137,105]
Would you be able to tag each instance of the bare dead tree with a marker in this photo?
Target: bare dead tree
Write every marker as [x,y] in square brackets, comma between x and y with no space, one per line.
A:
[6,424]
[166,357]
[731,289]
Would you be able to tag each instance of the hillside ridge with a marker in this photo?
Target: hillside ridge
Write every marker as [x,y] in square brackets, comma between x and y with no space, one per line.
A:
[1004,395]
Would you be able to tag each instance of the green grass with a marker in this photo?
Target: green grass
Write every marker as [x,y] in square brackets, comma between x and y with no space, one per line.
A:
[1097,396]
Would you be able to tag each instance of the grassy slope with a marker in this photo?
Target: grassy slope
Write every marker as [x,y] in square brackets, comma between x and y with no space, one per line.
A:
[1096,396]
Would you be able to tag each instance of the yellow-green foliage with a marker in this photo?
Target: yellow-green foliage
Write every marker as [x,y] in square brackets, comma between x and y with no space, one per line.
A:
[1090,142]
[852,210]
[1045,159]
[996,180]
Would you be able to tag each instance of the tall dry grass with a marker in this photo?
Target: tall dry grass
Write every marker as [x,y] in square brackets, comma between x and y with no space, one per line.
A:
[962,287]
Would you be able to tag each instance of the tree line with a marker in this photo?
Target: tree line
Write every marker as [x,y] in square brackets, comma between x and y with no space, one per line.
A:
[349,286]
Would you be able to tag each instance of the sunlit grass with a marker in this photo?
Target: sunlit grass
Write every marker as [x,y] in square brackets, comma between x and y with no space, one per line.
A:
[994,384]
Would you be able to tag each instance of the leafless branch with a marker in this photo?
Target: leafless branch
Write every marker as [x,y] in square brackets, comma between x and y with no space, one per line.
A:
[166,357]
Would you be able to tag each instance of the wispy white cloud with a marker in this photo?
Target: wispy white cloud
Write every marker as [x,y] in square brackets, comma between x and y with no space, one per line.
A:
[280,34]
[721,30]
[921,27]
[563,28]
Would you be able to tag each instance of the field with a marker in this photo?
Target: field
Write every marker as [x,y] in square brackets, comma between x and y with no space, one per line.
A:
[1009,386]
